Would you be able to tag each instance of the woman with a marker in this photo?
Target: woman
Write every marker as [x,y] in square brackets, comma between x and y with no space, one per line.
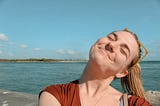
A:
[116,55]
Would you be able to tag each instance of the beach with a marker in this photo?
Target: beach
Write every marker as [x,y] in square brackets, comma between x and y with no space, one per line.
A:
[12,98]
[153,97]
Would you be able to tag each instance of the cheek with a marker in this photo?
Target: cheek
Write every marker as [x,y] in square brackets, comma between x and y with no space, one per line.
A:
[91,52]
[121,59]
[121,62]
[96,56]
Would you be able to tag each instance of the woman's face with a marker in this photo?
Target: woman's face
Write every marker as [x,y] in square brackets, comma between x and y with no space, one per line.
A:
[115,51]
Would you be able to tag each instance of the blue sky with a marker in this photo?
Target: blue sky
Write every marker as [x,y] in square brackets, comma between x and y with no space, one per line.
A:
[65,29]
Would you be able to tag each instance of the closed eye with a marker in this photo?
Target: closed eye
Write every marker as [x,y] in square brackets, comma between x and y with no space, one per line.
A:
[110,38]
[123,52]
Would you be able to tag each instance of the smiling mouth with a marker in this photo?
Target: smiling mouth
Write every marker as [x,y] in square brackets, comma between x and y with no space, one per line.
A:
[109,48]
[106,51]
[110,58]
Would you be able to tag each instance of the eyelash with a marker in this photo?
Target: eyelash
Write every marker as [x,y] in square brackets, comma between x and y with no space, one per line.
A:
[123,52]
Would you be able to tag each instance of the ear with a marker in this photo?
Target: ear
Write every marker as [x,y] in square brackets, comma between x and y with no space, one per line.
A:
[122,74]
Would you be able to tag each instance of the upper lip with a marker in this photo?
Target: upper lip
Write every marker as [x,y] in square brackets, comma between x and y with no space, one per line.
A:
[107,48]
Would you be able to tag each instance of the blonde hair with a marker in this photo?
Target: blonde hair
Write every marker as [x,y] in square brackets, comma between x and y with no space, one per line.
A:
[132,83]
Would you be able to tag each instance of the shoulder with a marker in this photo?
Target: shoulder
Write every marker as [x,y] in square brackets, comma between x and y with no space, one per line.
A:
[46,99]
[138,101]
[57,92]
[59,88]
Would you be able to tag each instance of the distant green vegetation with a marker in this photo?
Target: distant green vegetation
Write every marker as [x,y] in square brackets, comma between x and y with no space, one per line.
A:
[37,60]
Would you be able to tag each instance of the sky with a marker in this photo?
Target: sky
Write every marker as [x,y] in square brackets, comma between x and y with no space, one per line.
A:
[66,29]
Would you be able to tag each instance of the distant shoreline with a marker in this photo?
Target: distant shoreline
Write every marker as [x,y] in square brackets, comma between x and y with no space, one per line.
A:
[41,60]
[52,60]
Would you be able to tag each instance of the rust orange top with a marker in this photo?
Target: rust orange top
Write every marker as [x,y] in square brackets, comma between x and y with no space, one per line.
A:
[68,95]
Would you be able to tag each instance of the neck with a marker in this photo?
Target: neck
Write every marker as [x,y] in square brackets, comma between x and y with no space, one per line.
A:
[92,82]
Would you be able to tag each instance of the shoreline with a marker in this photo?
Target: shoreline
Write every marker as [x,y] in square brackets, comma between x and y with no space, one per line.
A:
[41,60]
[153,97]
[52,60]
[13,98]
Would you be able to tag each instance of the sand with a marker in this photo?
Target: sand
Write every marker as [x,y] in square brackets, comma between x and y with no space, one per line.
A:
[11,98]
[153,97]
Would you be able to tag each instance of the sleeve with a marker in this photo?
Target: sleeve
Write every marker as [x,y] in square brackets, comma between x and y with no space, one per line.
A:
[66,94]
[138,101]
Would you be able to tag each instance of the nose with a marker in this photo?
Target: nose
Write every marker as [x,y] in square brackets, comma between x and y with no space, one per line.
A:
[109,47]
[112,46]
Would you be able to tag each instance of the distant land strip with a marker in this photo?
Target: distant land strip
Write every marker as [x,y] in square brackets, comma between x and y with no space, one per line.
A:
[41,60]
[53,60]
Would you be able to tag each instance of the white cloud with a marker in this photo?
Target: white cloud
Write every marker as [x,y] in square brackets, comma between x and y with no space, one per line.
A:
[68,52]
[37,49]
[10,54]
[71,52]
[23,46]
[3,37]
[60,51]
[1,52]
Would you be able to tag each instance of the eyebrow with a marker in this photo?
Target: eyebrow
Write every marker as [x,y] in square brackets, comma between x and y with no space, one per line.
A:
[115,35]
[123,45]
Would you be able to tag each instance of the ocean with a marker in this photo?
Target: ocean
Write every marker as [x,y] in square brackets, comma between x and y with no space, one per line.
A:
[31,77]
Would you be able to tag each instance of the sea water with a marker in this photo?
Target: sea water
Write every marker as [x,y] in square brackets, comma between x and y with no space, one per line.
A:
[31,77]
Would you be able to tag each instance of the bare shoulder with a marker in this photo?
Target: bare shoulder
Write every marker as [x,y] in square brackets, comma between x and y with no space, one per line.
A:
[46,99]
[129,96]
